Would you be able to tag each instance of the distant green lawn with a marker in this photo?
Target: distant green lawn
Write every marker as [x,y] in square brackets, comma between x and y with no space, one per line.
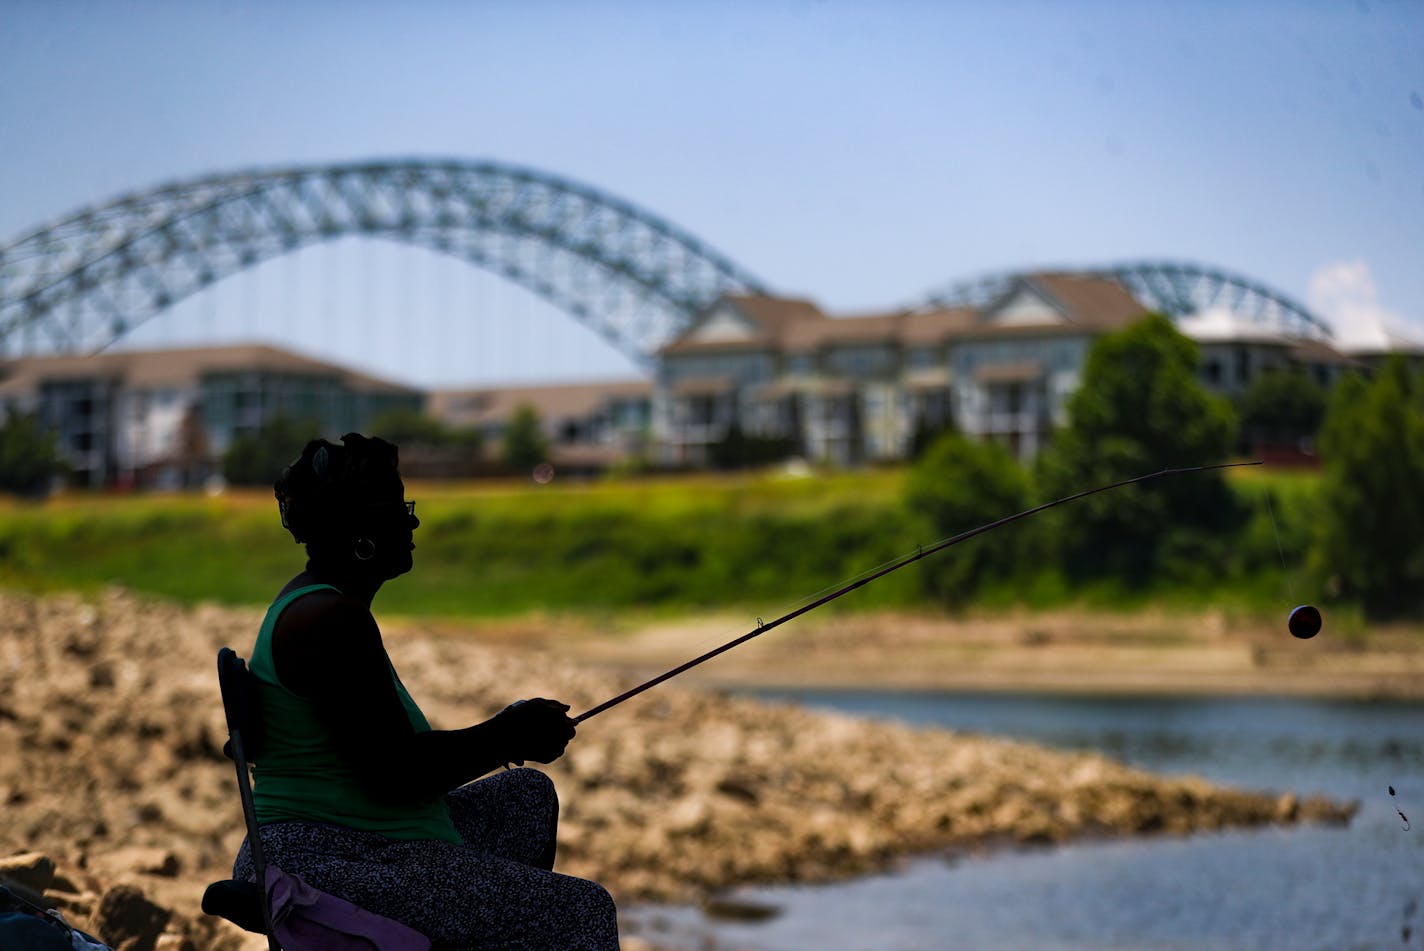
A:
[662,544]
[489,548]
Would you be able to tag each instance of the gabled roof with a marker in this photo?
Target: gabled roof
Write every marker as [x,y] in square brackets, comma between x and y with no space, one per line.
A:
[181,367]
[1094,303]
[720,346]
[867,328]
[475,407]
[1316,352]
[774,313]
[1097,302]
[1071,304]
[769,316]
[1091,304]
[1077,304]
[936,326]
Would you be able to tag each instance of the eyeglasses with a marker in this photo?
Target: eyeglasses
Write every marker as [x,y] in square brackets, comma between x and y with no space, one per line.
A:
[408,504]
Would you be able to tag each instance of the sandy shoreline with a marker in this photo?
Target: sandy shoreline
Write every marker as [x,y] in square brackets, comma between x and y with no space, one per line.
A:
[1061,652]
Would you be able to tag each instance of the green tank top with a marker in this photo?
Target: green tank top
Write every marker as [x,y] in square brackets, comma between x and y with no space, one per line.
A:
[301,775]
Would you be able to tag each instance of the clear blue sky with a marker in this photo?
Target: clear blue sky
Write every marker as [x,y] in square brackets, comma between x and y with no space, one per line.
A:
[860,154]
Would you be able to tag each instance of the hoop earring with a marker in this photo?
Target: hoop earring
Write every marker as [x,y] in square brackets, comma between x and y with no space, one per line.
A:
[365,549]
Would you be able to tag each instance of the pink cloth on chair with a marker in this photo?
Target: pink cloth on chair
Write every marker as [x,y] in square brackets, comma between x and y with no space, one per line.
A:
[304,919]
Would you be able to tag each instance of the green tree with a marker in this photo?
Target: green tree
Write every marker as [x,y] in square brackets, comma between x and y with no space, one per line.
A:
[257,459]
[926,434]
[408,427]
[1139,408]
[1372,509]
[411,427]
[737,450]
[959,484]
[524,445]
[29,459]
[1283,408]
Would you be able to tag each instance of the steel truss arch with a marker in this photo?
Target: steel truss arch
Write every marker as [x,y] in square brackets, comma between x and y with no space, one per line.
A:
[79,283]
[1176,288]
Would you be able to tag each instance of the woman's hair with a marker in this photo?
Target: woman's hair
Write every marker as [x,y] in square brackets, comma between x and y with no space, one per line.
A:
[321,493]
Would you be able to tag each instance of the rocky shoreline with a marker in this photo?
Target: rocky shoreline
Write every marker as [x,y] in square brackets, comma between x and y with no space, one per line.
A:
[111,772]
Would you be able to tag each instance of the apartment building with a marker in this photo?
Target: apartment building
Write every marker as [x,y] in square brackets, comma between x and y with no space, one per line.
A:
[854,389]
[848,390]
[164,418]
[1234,352]
[844,390]
[590,426]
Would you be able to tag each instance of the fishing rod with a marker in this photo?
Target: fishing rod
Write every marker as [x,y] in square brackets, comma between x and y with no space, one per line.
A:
[762,628]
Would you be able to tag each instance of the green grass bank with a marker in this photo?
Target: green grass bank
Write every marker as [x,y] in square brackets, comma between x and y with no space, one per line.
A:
[763,542]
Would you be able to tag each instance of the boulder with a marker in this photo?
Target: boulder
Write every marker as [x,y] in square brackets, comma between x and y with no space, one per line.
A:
[32,870]
[128,921]
[135,860]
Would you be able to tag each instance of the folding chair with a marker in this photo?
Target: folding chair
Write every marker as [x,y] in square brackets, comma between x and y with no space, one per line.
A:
[245,904]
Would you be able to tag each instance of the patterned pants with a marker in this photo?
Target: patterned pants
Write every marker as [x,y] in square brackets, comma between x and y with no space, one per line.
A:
[495,891]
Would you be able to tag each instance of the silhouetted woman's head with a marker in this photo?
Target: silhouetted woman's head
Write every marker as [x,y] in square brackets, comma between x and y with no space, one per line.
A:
[346,503]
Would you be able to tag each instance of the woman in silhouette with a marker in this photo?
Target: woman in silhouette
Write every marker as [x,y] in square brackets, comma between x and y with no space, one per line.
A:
[355,793]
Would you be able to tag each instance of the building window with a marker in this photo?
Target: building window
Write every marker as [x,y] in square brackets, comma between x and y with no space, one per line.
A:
[922,358]
[701,410]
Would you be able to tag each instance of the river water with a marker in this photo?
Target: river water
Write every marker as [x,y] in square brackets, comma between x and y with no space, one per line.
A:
[1303,888]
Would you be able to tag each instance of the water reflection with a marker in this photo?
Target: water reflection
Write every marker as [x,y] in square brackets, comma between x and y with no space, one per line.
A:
[1262,742]
[1274,888]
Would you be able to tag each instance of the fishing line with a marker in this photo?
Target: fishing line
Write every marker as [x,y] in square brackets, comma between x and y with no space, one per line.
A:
[1305,620]
[1290,578]
[920,552]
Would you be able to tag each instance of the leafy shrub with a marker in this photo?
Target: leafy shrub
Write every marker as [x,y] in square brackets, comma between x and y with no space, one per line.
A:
[737,450]
[525,444]
[29,461]
[409,428]
[257,459]
[1372,510]
[957,485]
[1282,408]
[1140,409]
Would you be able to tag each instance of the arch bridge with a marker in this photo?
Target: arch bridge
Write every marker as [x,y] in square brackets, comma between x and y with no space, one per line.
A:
[77,284]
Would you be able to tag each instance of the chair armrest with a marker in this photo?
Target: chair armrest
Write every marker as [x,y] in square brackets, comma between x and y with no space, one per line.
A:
[238,902]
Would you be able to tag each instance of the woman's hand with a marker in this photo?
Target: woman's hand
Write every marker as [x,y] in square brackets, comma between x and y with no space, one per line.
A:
[536,729]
